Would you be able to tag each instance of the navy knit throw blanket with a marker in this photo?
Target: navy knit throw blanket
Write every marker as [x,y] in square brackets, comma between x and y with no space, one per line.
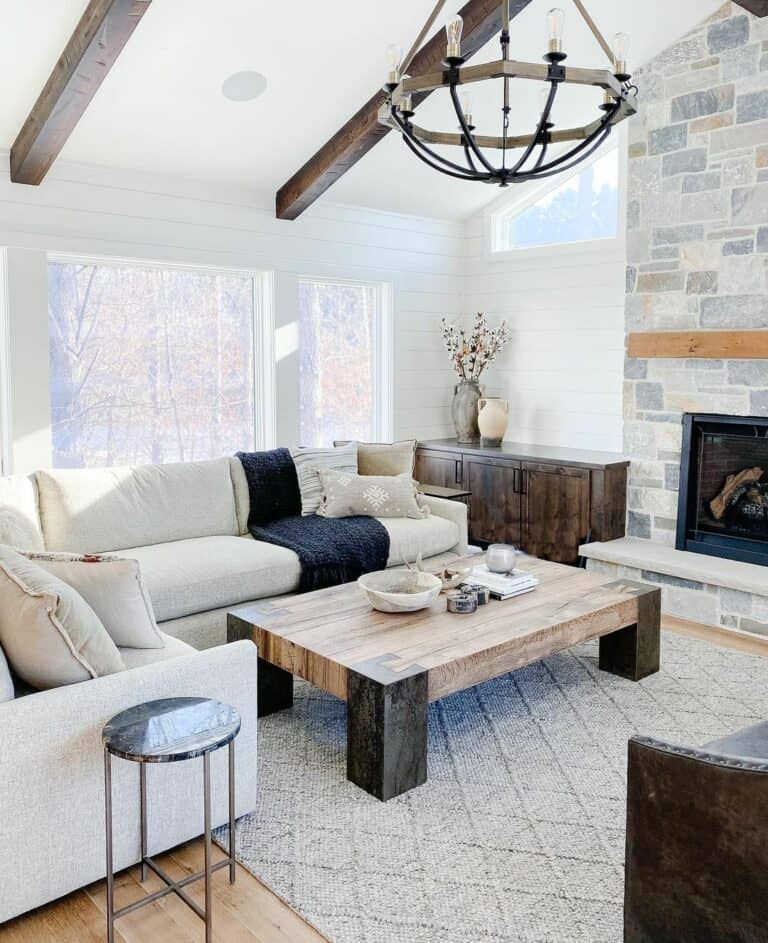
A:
[330,550]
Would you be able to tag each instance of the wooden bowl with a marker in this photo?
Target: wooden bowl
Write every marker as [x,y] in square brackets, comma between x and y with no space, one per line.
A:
[400,590]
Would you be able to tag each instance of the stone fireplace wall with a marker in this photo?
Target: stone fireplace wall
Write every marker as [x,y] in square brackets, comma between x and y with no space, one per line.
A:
[697,250]
[697,244]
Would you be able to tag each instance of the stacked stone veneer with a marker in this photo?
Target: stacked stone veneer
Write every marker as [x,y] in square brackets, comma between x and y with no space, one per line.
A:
[697,258]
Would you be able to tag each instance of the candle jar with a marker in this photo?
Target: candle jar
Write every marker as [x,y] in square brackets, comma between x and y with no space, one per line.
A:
[500,558]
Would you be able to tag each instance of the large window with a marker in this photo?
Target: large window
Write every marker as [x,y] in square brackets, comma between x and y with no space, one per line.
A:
[149,364]
[344,361]
[585,207]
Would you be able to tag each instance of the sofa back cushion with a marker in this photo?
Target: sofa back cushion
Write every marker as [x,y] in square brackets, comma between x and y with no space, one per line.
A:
[100,509]
[7,688]
[19,520]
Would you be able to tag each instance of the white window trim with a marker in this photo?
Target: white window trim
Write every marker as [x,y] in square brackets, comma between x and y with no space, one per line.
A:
[6,453]
[383,355]
[262,327]
[514,205]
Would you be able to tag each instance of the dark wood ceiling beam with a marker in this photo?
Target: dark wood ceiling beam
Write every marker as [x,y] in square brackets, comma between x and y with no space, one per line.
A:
[104,29]
[758,7]
[482,21]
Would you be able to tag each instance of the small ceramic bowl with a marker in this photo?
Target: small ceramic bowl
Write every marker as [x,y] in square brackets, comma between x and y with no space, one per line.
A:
[400,590]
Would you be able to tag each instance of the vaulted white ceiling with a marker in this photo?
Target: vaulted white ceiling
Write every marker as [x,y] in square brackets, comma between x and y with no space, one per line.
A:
[160,110]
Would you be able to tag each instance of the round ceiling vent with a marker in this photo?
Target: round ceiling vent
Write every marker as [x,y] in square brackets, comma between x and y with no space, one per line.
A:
[244,86]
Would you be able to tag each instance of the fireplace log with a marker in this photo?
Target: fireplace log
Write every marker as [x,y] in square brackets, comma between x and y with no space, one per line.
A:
[719,504]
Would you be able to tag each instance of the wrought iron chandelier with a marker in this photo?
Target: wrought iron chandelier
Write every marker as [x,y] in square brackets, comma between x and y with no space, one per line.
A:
[619,102]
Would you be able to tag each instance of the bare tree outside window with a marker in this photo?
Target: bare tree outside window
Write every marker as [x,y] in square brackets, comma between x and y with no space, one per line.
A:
[149,365]
[337,324]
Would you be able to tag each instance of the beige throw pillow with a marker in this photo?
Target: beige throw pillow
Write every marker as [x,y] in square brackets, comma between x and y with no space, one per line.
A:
[112,586]
[48,632]
[381,458]
[308,464]
[345,495]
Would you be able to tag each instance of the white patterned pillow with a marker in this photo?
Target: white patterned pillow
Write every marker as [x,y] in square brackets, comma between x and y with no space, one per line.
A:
[345,495]
[309,462]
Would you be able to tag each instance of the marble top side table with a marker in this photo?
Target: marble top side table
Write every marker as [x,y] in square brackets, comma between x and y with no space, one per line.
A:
[169,731]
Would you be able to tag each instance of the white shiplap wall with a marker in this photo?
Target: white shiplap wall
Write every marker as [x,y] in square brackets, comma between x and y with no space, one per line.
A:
[92,211]
[562,372]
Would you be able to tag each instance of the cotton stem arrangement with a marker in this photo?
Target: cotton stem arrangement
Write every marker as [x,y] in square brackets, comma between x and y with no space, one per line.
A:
[471,352]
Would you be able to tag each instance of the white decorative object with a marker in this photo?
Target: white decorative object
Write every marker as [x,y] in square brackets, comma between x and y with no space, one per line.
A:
[453,578]
[492,419]
[500,558]
[400,590]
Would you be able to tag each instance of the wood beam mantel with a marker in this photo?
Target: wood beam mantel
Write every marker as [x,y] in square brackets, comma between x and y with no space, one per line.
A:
[758,7]
[707,345]
[104,28]
[482,21]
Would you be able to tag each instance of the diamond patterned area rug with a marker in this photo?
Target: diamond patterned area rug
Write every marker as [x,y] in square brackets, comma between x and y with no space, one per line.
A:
[518,836]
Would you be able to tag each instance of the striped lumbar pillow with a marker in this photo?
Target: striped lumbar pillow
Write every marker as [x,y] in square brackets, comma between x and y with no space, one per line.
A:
[308,461]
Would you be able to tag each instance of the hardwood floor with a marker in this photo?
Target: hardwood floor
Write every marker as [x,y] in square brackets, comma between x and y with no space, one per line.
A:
[246,912]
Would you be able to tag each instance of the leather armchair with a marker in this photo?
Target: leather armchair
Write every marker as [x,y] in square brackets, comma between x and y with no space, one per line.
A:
[697,841]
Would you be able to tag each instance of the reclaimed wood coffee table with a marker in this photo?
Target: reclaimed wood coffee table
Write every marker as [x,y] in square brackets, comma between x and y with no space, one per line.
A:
[389,667]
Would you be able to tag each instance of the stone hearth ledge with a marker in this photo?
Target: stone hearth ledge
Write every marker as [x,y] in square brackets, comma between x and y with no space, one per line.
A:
[714,571]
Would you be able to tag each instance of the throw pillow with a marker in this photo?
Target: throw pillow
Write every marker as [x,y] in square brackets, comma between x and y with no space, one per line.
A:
[49,633]
[346,495]
[19,521]
[308,464]
[112,586]
[7,690]
[381,458]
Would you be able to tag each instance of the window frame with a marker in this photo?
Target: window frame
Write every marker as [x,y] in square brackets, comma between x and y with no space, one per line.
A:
[263,406]
[383,354]
[509,205]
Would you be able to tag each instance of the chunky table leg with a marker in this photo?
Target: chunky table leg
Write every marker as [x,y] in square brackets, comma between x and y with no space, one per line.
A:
[386,731]
[634,652]
[275,689]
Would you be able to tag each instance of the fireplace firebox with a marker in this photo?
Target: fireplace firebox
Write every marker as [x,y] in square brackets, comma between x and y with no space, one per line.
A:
[723,501]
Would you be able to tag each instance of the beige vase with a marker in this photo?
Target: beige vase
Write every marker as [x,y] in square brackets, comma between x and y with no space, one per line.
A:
[492,419]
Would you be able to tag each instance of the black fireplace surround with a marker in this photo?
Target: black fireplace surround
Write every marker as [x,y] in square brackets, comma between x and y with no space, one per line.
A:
[723,502]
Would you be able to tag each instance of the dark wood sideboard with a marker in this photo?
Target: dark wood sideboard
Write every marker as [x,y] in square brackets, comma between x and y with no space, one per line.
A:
[546,500]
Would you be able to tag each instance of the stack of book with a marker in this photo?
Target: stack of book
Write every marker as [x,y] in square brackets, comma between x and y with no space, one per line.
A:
[503,585]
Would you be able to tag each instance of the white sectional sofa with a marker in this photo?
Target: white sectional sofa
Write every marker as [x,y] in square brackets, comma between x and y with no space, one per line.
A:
[187,526]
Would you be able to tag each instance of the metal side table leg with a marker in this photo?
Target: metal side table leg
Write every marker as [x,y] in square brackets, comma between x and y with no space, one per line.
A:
[232,812]
[207,845]
[143,803]
[110,874]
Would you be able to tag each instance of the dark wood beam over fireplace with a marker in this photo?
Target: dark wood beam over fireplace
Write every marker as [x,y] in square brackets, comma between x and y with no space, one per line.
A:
[758,7]
[482,21]
[104,29]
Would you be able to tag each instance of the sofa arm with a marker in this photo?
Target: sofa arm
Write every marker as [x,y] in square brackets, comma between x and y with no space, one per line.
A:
[52,774]
[455,511]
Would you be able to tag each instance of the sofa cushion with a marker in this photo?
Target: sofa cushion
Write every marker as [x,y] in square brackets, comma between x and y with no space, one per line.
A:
[49,633]
[345,495]
[242,496]
[429,537]
[19,520]
[172,648]
[189,576]
[385,458]
[93,510]
[309,460]
[112,586]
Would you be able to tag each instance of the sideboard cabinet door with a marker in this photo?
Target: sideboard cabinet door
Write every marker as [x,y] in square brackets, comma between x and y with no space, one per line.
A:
[438,468]
[555,511]
[494,515]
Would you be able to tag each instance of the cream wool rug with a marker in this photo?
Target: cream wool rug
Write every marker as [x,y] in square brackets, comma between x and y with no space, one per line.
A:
[518,836]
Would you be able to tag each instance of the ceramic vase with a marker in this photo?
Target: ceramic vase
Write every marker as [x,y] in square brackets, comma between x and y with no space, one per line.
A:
[466,396]
[493,416]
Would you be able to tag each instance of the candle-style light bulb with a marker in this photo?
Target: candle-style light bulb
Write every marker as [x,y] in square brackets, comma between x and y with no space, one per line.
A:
[466,107]
[394,58]
[620,53]
[555,28]
[453,30]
